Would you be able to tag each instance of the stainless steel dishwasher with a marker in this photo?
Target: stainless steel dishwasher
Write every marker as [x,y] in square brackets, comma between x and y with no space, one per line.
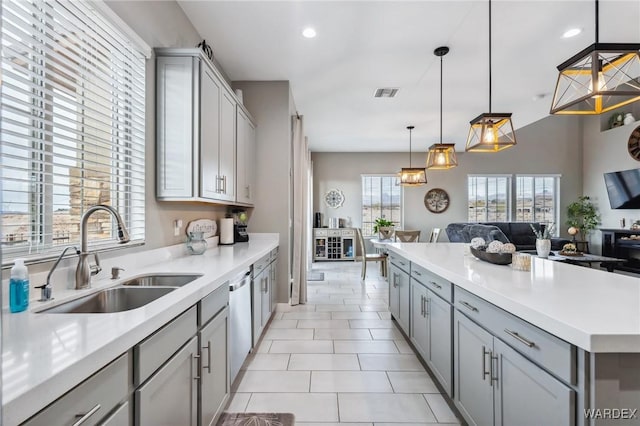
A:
[239,321]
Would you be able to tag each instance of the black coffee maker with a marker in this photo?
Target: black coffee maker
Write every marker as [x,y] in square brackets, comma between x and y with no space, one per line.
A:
[240,219]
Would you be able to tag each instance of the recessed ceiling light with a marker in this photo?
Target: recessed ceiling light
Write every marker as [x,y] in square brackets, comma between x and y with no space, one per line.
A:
[309,32]
[571,32]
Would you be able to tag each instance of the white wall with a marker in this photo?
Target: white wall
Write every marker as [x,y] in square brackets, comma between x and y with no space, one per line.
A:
[269,102]
[551,145]
[606,151]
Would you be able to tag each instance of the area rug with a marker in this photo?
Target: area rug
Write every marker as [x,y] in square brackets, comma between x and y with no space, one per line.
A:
[256,419]
[315,276]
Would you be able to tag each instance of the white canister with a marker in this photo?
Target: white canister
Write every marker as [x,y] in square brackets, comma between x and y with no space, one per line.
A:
[629,118]
[226,231]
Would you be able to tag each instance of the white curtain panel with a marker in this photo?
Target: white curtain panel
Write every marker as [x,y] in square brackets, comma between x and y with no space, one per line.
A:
[301,218]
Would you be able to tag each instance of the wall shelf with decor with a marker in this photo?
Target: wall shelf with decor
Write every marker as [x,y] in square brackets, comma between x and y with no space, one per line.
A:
[614,119]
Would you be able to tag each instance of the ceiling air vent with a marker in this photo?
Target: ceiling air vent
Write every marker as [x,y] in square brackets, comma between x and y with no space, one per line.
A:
[385,92]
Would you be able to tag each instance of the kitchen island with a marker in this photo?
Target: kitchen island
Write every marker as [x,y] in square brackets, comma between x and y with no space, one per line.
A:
[559,337]
[45,355]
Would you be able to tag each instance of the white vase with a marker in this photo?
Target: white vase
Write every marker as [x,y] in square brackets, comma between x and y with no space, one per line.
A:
[543,247]
[629,118]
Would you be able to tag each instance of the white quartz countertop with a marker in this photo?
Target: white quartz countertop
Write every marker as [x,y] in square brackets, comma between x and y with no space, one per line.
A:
[45,355]
[595,310]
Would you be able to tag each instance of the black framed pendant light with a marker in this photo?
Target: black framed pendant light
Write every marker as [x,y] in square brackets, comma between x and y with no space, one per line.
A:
[441,156]
[412,176]
[600,78]
[490,131]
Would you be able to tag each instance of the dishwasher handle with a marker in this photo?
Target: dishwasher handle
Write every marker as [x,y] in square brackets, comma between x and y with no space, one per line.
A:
[235,285]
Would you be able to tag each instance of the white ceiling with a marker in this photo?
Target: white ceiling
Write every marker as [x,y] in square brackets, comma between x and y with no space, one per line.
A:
[363,45]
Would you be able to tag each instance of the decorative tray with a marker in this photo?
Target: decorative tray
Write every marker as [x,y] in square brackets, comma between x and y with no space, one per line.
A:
[496,258]
[570,253]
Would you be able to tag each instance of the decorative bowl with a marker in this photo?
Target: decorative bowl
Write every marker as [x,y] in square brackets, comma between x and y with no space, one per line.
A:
[496,258]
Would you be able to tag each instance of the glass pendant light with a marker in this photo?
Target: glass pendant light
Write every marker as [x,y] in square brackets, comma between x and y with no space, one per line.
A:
[490,131]
[600,78]
[441,156]
[412,176]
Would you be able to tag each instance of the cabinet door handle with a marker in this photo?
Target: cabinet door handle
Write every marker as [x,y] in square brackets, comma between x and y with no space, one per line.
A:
[491,376]
[421,305]
[485,352]
[84,417]
[427,307]
[469,306]
[208,348]
[519,338]
[264,285]
[218,186]
[395,280]
[436,285]
[195,357]
[224,181]
[247,191]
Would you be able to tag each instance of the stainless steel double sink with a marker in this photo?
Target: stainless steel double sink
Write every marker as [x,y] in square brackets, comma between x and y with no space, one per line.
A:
[131,294]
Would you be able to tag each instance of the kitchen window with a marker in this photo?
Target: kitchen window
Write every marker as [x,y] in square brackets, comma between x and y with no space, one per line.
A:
[381,198]
[489,198]
[537,198]
[73,125]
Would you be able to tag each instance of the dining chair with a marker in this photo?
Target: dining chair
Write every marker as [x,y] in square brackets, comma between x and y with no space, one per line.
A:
[370,257]
[435,233]
[408,236]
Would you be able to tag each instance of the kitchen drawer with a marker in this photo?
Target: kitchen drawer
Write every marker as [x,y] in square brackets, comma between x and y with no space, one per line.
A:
[103,390]
[274,254]
[435,283]
[399,261]
[213,303]
[261,264]
[547,350]
[152,352]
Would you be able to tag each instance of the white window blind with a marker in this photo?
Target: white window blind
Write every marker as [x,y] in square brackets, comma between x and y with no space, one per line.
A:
[73,130]
[381,198]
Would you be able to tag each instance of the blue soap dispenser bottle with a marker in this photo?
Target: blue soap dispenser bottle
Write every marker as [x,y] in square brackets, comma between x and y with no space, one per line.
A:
[19,287]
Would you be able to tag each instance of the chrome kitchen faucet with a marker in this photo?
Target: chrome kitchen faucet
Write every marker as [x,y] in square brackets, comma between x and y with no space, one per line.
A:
[84,271]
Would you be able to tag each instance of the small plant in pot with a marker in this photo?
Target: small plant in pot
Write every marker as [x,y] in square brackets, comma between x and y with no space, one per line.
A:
[583,215]
[384,228]
[543,239]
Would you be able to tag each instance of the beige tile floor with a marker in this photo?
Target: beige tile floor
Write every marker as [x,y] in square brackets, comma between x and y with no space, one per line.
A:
[340,359]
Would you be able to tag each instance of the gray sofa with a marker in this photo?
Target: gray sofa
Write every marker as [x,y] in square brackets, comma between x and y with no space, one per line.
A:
[518,233]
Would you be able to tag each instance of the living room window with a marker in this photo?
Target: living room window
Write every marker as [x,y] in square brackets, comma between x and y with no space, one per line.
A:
[537,198]
[381,198]
[489,198]
[73,126]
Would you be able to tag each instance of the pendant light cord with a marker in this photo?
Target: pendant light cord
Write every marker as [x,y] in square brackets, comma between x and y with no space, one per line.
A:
[440,100]
[597,23]
[490,55]
[410,146]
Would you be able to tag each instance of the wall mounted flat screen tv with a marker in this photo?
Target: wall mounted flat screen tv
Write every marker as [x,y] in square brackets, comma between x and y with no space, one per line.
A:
[623,188]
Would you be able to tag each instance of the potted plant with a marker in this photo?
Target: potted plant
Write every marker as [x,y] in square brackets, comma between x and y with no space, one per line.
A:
[384,228]
[543,239]
[582,214]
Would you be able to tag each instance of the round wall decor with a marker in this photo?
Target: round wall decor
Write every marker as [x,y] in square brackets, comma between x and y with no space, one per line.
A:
[334,198]
[436,200]
[633,146]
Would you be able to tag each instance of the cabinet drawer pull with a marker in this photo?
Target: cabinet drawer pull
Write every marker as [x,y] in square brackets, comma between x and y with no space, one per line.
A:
[485,352]
[436,285]
[469,306]
[519,338]
[417,273]
[208,348]
[84,417]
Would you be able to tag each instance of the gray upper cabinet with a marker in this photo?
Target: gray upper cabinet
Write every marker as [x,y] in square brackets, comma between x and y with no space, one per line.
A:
[196,129]
[246,158]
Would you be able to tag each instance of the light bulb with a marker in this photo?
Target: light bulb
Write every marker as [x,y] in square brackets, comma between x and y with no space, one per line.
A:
[602,84]
[440,158]
[490,134]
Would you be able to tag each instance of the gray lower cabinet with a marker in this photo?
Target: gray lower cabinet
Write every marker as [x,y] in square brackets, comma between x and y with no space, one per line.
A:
[90,401]
[439,357]
[497,385]
[399,290]
[472,357]
[419,323]
[265,297]
[261,295]
[170,396]
[214,370]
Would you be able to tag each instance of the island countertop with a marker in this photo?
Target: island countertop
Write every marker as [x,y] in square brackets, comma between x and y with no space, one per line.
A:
[595,310]
[45,355]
